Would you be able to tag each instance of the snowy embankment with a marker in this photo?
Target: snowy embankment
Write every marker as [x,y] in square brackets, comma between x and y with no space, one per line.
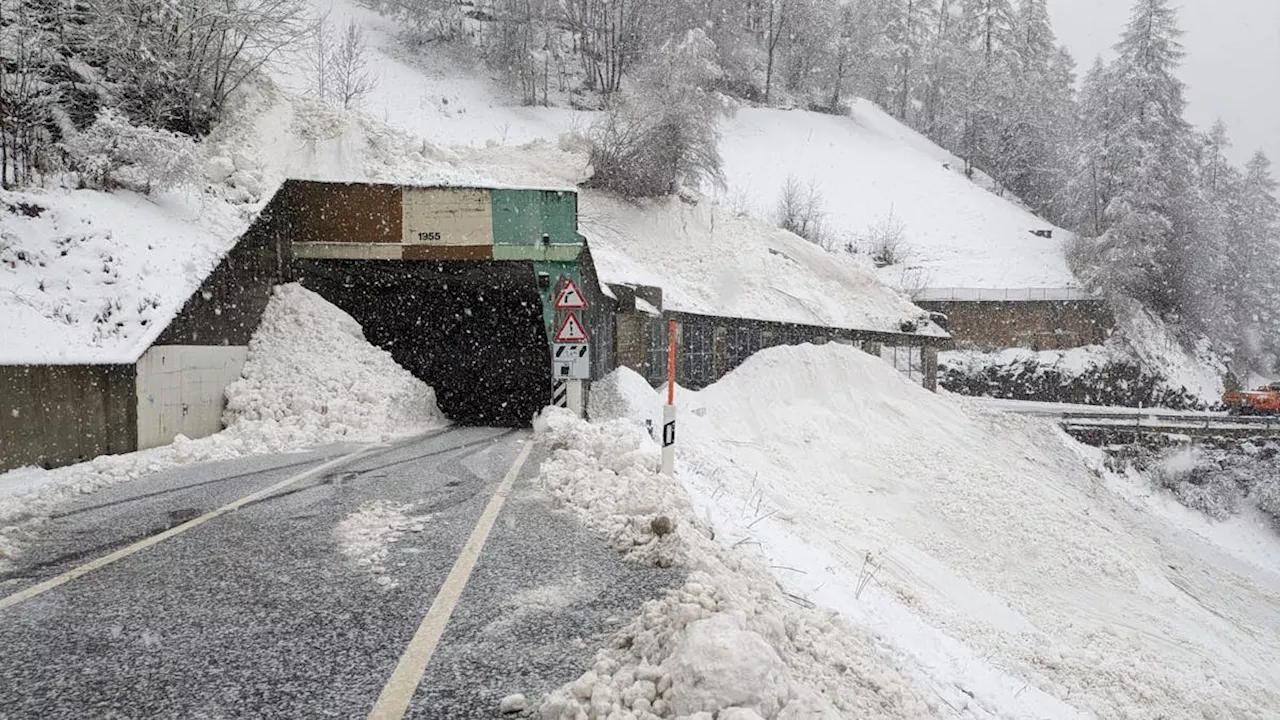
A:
[310,379]
[94,277]
[1004,571]
[729,641]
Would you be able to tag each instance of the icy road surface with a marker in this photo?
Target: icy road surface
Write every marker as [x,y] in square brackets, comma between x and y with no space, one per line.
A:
[301,604]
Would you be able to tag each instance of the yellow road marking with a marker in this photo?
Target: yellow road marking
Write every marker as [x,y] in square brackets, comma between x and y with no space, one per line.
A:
[394,699]
[125,552]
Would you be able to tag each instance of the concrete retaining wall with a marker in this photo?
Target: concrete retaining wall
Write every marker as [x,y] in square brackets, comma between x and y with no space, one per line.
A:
[1037,325]
[52,415]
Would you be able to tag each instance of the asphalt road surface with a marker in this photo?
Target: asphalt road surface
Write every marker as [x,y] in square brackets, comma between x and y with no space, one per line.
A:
[265,611]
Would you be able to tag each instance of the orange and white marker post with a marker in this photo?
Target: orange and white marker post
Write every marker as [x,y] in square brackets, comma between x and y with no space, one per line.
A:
[669,410]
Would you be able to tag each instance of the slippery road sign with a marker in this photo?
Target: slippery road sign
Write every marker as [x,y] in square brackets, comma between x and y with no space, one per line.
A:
[570,297]
[571,331]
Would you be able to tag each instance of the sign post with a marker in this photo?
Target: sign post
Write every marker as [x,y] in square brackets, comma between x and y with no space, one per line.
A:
[669,410]
[570,349]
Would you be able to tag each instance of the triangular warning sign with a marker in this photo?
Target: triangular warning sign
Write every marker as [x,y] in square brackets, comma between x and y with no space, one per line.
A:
[571,331]
[569,297]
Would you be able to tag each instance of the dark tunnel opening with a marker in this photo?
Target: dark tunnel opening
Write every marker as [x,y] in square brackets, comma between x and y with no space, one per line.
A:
[470,329]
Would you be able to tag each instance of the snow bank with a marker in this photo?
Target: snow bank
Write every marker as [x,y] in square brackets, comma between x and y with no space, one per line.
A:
[310,379]
[728,640]
[985,547]
[91,277]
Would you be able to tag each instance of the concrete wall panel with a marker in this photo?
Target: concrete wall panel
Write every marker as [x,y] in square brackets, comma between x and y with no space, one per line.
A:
[53,415]
[180,389]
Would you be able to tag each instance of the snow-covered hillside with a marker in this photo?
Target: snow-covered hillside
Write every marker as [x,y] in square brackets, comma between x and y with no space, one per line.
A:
[1002,562]
[868,167]
[92,277]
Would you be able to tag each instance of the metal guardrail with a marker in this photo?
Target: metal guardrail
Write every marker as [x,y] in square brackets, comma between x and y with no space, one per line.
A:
[1003,295]
[1200,424]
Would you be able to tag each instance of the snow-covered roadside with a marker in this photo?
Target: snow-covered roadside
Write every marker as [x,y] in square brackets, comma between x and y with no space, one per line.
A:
[729,641]
[310,379]
[991,552]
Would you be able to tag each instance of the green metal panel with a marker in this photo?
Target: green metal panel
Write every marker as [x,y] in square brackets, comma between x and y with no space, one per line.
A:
[522,217]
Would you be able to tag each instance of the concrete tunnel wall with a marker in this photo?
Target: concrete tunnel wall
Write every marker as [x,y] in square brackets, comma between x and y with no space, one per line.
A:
[470,329]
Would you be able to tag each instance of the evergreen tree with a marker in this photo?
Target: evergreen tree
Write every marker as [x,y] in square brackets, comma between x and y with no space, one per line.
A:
[1146,224]
[907,27]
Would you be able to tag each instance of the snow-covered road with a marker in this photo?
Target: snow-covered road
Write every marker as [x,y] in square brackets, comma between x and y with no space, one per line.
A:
[299,604]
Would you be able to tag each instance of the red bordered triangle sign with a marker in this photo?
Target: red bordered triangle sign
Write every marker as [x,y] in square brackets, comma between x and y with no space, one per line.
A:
[570,297]
[571,331]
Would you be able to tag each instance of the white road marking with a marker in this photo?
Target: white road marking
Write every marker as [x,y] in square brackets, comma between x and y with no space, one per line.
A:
[66,577]
[394,699]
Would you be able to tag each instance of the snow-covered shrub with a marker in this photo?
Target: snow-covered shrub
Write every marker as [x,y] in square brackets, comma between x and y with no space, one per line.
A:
[664,134]
[1220,480]
[113,152]
[800,210]
[885,241]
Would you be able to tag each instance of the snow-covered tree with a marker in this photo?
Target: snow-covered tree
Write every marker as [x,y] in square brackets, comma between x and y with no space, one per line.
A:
[1146,226]
[113,152]
[609,34]
[908,24]
[349,74]
[663,136]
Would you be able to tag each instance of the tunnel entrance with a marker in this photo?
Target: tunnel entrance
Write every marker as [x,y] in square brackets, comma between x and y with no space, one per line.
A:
[472,329]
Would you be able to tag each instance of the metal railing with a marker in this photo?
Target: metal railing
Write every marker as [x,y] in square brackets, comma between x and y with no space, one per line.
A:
[1200,424]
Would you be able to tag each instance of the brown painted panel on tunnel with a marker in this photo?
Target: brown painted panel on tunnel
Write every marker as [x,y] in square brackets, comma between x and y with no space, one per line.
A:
[453,252]
[346,212]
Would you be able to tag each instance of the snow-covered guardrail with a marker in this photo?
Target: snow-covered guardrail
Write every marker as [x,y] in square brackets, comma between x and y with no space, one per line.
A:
[1203,424]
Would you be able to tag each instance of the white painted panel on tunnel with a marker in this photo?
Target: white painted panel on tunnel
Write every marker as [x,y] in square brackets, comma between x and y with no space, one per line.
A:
[180,389]
[447,216]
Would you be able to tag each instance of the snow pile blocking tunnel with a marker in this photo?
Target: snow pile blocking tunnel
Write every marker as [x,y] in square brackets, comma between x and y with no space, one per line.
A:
[457,283]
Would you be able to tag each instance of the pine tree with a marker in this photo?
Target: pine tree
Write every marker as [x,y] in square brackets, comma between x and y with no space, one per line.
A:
[907,27]
[1146,224]
[1255,239]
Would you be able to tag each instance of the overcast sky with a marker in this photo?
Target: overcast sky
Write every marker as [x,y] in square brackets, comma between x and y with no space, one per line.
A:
[1232,69]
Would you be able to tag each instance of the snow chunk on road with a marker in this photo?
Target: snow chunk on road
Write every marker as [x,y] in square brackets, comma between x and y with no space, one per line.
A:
[664,662]
[721,665]
[365,536]
[310,379]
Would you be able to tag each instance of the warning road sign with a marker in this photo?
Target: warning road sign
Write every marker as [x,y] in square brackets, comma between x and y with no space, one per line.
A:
[570,297]
[571,331]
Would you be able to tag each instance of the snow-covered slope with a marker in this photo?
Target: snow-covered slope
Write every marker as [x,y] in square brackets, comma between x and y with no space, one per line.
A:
[870,168]
[708,260]
[1018,576]
[867,166]
[92,277]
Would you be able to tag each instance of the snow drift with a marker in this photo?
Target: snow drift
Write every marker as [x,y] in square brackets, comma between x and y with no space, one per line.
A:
[986,547]
[311,379]
[728,643]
